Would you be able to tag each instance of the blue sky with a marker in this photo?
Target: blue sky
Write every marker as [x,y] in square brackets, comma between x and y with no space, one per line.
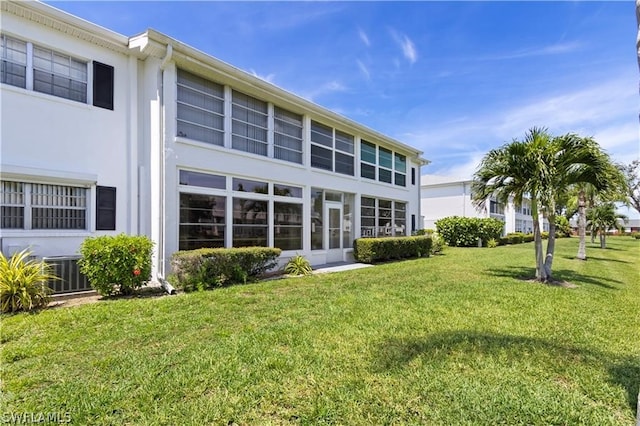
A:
[454,79]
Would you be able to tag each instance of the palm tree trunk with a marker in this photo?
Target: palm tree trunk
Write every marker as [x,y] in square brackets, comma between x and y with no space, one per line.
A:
[603,239]
[593,236]
[582,226]
[551,245]
[541,274]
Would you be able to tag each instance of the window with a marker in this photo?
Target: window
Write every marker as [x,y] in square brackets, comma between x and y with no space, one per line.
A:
[287,223]
[204,180]
[317,230]
[331,150]
[13,68]
[246,185]
[385,164]
[400,167]
[287,136]
[59,74]
[202,221]
[287,191]
[383,218]
[105,208]
[200,109]
[58,207]
[12,202]
[102,85]
[496,208]
[250,222]
[249,124]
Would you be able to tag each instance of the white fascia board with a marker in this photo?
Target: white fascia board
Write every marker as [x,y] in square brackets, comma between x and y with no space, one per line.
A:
[12,172]
[185,54]
[56,19]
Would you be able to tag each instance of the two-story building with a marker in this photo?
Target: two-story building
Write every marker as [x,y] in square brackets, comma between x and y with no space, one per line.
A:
[103,134]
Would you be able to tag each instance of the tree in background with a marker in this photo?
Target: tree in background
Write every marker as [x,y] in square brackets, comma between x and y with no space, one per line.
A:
[604,218]
[631,173]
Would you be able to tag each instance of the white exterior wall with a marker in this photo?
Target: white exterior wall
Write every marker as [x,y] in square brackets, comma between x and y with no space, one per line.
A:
[48,139]
[449,199]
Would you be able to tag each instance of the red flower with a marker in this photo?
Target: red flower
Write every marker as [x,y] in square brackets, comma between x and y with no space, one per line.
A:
[136,272]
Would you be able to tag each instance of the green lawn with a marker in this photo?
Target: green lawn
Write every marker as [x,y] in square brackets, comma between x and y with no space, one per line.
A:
[453,339]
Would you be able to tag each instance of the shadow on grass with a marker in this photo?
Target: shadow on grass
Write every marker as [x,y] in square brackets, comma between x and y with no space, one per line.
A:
[599,259]
[395,353]
[524,273]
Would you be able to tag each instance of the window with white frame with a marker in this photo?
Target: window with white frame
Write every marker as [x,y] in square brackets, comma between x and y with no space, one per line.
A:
[42,206]
[287,223]
[382,218]
[380,163]
[58,74]
[202,221]
[200,109]
[13,68]
[287,136]
[249,124]
[332,149]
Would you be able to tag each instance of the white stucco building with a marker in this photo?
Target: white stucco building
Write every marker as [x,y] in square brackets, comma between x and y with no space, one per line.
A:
[104,133]
[443,196]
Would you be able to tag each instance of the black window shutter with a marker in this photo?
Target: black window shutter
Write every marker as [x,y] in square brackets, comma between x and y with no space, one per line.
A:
[413,176]
[102,85]
[413,223]
[105,208]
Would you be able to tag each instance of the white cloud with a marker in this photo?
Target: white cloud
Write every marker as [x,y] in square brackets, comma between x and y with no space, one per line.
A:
[406,44]
[364,37]
[553,49]
[268,78]
[364,69]
[328,87]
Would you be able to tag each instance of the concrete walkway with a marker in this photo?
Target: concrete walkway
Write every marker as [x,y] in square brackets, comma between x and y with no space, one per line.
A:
[339,267]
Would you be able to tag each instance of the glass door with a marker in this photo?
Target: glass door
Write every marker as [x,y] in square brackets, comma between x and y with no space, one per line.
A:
[333,215]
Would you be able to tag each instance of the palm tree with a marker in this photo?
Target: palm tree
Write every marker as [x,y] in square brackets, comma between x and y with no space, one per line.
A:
[603,218]
[517,169]
[542,167]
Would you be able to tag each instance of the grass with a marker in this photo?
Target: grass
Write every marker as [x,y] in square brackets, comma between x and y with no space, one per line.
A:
[453,339]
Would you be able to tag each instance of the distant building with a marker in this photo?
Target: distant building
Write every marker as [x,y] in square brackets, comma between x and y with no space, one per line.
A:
[444,196]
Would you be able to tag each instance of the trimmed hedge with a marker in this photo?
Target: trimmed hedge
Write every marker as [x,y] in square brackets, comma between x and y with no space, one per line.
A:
[371,250]
[466,231]
[208,268]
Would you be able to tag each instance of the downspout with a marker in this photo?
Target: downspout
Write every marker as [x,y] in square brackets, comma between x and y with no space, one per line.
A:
[161,246]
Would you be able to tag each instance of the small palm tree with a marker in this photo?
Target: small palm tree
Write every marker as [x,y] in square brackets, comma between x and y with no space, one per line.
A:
[23,282]
[604,218]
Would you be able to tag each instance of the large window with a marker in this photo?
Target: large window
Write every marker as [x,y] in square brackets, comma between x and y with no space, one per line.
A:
[287,223]
[42,206]
[59,75]
[13,69]
[382,218]
[250,222]
[200,109]
[249,124]
[331,149]
[202,221]
[380,163]
[287,136]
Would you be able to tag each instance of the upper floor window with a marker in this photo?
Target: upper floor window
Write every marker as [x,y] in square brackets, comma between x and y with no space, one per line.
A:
[287,136]
[13,69]
[331,149]
[382,163]
[59,75]
[200,109]
[44,70]
[249,124]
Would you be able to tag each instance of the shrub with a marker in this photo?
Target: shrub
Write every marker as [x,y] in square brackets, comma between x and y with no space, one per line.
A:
[23,282]
[370,250]
[298,265]
[635,235]
[116,264]
[208,268]
[515,238]
[563,229]
[492,243]
[544,235]
[466,231]
[437,244]
[528,238]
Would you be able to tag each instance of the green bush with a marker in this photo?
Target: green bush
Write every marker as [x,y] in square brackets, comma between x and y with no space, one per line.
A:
[466,231]
[544,235]
[298,265]
[635,235]
[528,238]
[116,264]
[563,229]
[371,250]
[208,268]
[23,282]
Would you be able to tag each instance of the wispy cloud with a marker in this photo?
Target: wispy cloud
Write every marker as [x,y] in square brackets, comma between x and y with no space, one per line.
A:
[268,78]
[363,69]
[296,18]
[364,37]
[553,49]
[406,45]
[326,88]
